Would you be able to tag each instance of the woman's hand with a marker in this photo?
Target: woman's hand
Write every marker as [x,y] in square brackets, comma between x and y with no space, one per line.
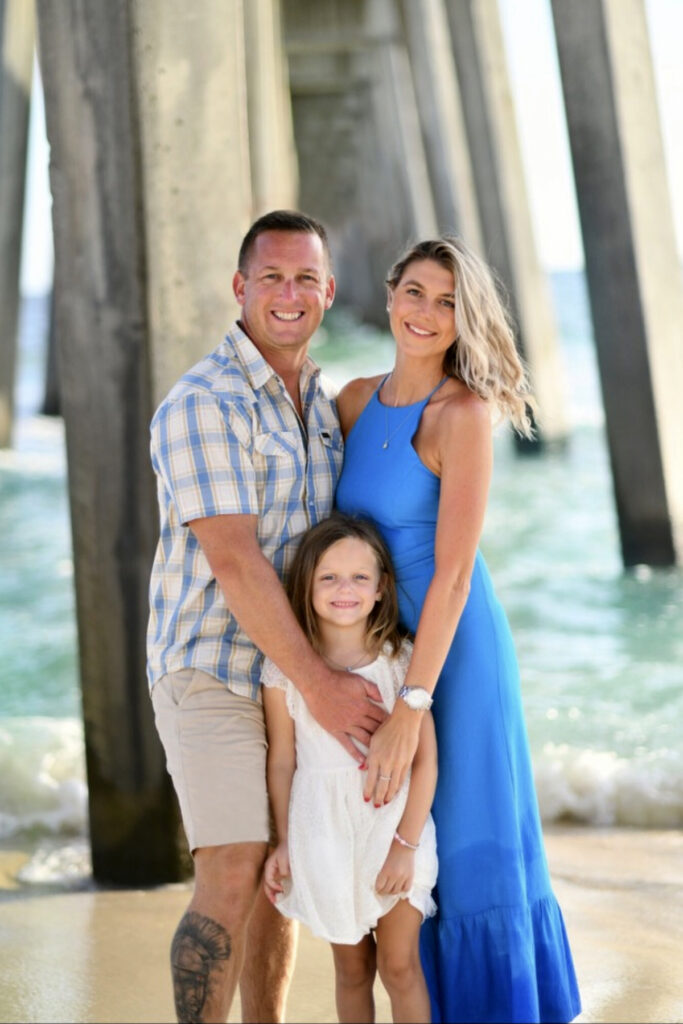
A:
[397,872]
[275,870]
[391,753]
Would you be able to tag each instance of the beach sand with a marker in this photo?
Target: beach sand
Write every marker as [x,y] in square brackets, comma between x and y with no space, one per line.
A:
[102,955]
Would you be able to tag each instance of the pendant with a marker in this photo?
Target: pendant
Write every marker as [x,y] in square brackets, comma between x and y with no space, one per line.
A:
[385,445]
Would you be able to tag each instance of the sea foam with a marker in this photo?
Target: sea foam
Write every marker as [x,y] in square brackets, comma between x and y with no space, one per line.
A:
[43,776]
[601,788]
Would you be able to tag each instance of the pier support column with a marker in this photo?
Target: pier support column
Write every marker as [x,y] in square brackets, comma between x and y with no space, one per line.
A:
[633,270]
[17,38]
[274,174]
[441,118]
[191,91]
[362,165]
[509,245]
[146,118]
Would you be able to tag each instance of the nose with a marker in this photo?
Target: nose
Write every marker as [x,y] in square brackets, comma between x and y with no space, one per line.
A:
[288,290]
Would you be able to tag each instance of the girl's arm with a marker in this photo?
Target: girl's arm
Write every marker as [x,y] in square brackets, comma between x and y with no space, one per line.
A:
[465,463]
[397,872]
[281,763]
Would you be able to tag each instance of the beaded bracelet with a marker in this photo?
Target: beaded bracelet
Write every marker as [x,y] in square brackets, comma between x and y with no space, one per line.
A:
[404,842]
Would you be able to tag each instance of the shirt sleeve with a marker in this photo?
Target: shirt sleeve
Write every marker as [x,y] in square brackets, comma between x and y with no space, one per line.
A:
[201,450]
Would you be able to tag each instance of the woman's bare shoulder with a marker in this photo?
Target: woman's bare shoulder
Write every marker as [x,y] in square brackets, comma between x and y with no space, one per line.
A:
[460,404]
[353,398]
[462,418]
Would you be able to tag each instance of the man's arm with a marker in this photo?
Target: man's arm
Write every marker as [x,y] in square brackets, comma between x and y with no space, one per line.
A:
[341,702]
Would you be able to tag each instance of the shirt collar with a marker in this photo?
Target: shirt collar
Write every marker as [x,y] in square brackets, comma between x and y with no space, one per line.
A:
[257,369]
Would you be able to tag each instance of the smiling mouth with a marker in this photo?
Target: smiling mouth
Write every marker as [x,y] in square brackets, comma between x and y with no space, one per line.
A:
[421,333]
[344,604]
[287,317]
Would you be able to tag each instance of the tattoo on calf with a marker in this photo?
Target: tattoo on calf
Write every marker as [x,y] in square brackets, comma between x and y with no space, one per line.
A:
[198,945]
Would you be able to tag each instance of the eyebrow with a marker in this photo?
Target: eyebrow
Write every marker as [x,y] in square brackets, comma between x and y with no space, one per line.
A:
[301,270]
[444,295]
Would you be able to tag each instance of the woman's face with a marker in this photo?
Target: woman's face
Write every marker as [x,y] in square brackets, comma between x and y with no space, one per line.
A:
[422,309]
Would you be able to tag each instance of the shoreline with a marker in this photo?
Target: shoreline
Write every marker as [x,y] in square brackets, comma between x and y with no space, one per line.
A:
[73,951]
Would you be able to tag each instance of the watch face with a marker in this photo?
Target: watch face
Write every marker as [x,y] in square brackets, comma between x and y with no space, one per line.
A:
[416,698]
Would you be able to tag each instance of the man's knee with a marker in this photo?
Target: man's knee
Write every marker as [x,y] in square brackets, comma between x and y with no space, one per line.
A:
[228,877]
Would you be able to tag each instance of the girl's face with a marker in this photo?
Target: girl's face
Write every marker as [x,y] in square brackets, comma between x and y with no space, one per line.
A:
[422,309]
[346,583]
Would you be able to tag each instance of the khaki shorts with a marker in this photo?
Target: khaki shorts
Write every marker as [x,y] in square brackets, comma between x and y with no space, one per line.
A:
[215,743]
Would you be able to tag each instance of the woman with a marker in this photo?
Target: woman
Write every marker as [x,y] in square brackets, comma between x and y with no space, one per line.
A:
[418,462]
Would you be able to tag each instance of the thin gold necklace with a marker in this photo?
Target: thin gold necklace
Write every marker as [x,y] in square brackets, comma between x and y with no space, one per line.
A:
[388,436]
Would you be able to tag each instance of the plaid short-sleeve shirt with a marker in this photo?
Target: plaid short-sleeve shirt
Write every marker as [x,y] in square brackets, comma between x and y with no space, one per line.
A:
[227,440]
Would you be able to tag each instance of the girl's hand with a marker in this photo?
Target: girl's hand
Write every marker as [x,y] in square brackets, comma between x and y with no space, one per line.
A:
[276,868]
[397,873]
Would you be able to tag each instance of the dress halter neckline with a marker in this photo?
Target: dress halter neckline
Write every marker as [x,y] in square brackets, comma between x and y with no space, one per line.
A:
[411,405]
[408,411]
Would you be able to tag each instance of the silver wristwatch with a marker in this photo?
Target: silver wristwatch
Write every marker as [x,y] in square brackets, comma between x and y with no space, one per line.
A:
[416,697]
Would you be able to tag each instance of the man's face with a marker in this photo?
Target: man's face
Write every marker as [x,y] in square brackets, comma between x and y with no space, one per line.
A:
[285,291]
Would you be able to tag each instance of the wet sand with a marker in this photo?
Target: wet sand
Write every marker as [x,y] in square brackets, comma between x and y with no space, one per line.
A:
[102,956]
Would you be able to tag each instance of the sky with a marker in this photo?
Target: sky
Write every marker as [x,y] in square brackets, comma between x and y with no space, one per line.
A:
[535,83]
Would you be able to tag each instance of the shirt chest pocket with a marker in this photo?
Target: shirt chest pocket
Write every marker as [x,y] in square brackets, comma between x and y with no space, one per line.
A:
[278,466]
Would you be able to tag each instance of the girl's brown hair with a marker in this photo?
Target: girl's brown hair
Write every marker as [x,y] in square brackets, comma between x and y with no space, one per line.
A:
[483,354]
[383,625]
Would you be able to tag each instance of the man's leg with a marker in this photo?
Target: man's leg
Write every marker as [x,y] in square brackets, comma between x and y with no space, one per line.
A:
[265,979]
[208,947]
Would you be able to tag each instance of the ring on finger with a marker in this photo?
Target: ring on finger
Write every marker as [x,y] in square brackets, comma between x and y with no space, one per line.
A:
[385,778]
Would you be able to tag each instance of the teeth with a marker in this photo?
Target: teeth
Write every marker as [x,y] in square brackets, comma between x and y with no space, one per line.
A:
[418,330]
[287,316]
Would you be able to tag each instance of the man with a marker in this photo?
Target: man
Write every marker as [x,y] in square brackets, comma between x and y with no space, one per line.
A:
[247,451]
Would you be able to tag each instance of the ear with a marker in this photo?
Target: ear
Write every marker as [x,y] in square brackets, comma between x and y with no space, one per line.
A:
[390,298]
[238,286]
[330,291]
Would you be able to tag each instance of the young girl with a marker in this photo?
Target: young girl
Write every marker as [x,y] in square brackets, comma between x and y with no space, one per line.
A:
[344,867]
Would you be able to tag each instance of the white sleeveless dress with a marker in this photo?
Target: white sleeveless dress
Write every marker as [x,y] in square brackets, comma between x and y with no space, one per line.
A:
[337,842]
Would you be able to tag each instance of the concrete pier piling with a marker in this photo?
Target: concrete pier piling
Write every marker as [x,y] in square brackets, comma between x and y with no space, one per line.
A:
[147,121]
[632,266]
[362,164]
[509,244]
[17,38]
[441,118]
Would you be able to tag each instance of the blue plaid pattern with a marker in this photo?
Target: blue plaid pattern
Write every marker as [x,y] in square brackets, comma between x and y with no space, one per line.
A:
[226,440]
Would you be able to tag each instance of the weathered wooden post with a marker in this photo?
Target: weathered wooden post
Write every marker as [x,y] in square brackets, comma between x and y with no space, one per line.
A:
[362,166]
[633,271]
[17,36]
[479,52]
[441,119]
[146,117]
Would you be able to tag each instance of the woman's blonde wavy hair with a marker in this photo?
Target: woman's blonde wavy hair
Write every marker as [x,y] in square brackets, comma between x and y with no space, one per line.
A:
[483,355]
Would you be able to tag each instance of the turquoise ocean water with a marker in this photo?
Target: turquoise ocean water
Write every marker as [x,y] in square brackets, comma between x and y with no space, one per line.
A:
[601,650]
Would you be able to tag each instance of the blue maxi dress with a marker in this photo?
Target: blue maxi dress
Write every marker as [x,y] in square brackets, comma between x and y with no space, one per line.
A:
[497,949]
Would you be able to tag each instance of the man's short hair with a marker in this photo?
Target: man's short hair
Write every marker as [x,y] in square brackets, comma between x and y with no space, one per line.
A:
[281,220]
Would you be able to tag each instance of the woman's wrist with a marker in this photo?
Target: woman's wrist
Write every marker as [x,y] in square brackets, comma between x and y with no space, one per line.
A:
[408,718]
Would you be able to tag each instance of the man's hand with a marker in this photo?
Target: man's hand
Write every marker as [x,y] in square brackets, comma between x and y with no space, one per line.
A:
[397,872]
[276,869]
[391,753]
[346,707]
